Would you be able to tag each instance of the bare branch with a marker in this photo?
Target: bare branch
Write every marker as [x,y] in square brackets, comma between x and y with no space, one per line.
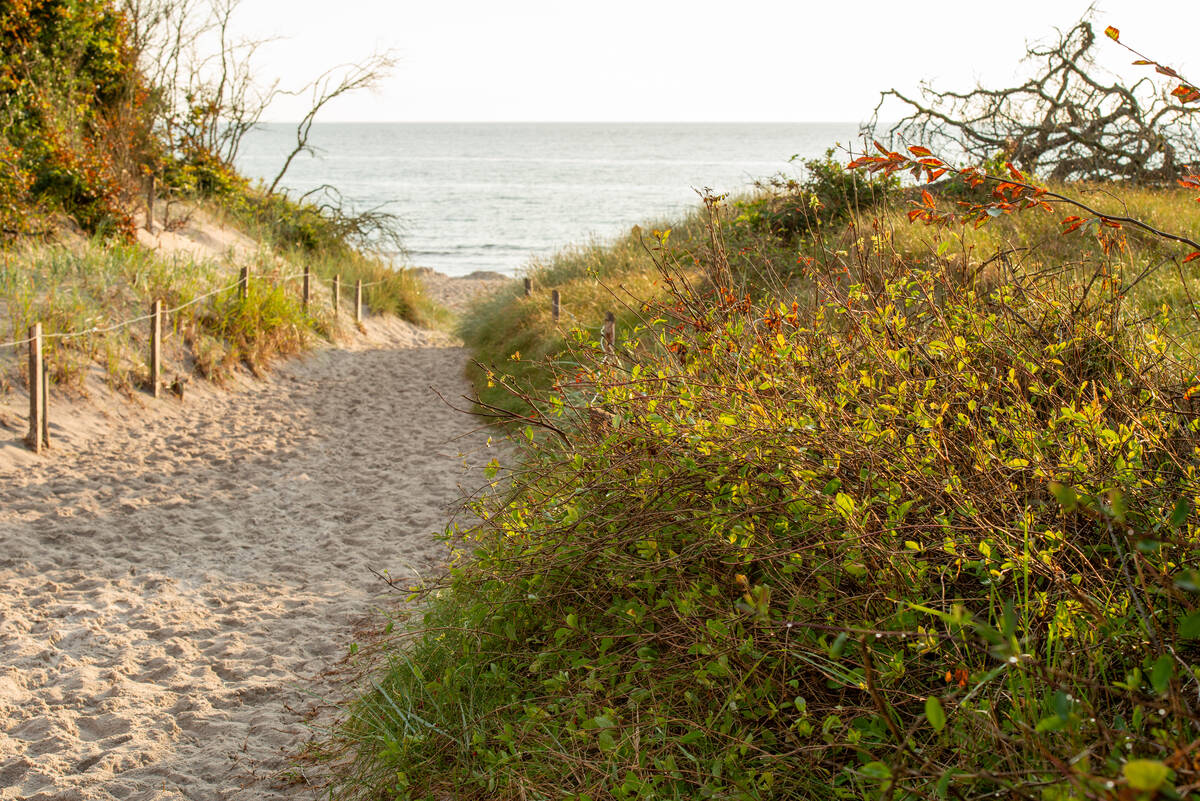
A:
[1065,123]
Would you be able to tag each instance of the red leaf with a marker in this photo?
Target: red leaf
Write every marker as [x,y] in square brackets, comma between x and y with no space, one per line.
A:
[935,174]
[1070,219]
[1185,93]
[914,214]
[917,150]
[1191,257]
[1072,227]
[928,198]
[1110,223]
[1113,33]
[1014,172]
[1161,70]
[932,162]
[882,149]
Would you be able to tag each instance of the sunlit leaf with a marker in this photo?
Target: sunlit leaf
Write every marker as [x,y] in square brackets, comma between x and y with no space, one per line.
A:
[1113,33]
[1146,775]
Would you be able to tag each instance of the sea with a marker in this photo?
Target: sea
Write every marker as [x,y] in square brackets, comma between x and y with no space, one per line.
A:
[500,196]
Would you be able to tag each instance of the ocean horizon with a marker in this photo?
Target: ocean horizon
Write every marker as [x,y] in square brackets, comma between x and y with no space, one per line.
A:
[498,196]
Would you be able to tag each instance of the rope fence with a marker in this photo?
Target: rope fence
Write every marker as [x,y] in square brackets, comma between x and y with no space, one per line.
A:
[38,437]
[39,386]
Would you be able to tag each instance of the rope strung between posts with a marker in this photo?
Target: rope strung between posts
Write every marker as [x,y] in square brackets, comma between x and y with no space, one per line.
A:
[64,335]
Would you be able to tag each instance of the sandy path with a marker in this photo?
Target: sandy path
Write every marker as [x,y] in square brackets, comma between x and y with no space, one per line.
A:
[170,595]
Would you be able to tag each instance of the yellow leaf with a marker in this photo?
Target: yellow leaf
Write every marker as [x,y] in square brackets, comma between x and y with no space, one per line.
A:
[1112,33]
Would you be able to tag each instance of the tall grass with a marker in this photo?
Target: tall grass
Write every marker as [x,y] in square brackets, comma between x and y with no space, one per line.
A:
[81,292]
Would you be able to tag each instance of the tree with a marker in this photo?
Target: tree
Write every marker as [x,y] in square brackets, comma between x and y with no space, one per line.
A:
[333,84]
[1067,122]
[209,94]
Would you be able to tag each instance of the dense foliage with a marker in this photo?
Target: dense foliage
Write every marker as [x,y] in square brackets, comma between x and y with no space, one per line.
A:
[74,130]
[916,538]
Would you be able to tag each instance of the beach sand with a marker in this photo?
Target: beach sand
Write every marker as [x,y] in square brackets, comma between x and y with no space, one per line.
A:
[178,577]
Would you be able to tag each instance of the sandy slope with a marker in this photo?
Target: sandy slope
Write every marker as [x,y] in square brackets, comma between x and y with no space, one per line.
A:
[171,592]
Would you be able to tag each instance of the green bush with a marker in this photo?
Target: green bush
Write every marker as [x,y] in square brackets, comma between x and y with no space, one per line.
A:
[920,543]
[788,208]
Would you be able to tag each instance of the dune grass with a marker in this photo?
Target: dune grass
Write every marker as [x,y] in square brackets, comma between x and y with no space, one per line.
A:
[84,291]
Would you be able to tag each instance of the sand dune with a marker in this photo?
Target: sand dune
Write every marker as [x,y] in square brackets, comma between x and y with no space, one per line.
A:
[171,593]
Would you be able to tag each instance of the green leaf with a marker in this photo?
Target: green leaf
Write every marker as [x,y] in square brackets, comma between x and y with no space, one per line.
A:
[1065,496]
[1189,627]
[1180,514]
[1146,775]
[1010,618]
[1052,723]
[943,785]
[844,504]
[1118,505]
[839,645]
[935,714]
[877,771]
[1160,674]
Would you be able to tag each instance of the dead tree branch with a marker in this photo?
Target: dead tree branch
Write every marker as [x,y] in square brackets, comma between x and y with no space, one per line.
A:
[1067,122]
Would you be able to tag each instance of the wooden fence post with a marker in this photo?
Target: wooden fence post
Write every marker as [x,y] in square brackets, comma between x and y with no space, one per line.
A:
[45,406]
[156,327]
[151,192]
[307,286]
[608,336]
[244,283]
[528,287]
[554,304]
[337,294]
[358,301]
[37,389]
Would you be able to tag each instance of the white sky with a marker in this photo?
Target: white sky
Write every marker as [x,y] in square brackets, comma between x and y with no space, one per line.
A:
[678,60]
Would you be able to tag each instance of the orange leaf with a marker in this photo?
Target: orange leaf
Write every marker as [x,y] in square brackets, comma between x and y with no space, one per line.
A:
[917,150]
[1072,227]
[881,148]
[1112,33]
[928,198]
[1161,70]
[1185,93]
[1141,62]
[935,174]
[914,214]
[1110,223]
[1191,257]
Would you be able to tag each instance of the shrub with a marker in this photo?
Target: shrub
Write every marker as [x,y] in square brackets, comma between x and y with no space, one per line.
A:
[920,543]
[788,208]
